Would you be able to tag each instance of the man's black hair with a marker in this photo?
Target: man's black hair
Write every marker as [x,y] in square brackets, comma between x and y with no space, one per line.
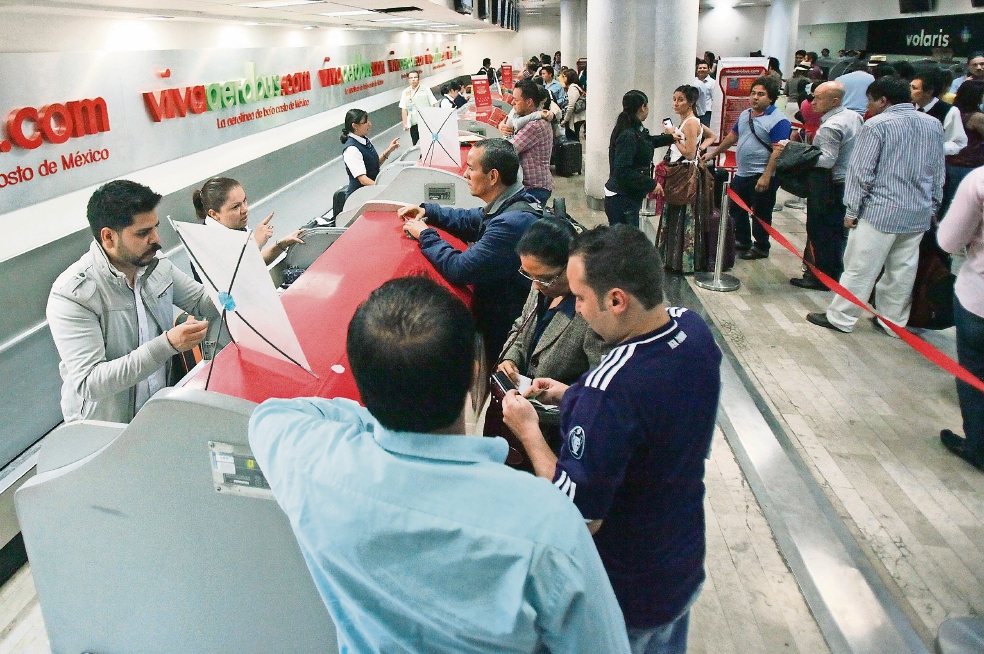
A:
[932,82]
[115,204]
[531,91]
[894,89]
[549,240]
[549,69]
[883,69]
[801,53]
[904,69]
[621,257]
[770,84]
[455,85]
[411,346]
[974,55]
[499,154]
[486,62]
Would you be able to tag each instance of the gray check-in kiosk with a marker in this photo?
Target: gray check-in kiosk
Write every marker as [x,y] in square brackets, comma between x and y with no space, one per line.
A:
[162,536]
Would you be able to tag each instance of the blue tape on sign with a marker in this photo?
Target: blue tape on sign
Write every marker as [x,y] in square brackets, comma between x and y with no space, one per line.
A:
[436,137]
[226,301]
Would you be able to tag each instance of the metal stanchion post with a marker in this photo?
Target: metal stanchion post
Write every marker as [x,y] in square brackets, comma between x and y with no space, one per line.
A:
[718,281]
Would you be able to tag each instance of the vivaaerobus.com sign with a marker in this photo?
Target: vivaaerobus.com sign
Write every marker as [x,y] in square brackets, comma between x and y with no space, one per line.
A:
[98,116]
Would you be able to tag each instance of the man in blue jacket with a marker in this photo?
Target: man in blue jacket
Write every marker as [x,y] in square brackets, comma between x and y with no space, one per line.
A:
[490,264]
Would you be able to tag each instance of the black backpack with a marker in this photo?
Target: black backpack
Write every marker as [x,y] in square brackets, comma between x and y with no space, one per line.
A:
[530,205]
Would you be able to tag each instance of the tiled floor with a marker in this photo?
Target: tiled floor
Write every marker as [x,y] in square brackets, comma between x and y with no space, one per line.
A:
[864,411]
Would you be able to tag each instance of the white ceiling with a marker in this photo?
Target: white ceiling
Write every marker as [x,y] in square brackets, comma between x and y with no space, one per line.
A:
[433,15]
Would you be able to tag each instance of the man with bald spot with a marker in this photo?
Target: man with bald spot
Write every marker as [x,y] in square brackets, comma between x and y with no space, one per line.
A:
[825,208]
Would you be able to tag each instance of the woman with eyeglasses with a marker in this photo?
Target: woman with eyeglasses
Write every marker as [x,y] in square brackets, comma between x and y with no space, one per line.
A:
[549,339]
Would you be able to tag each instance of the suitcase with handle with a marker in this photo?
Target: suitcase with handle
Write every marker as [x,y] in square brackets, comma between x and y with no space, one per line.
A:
[567,157]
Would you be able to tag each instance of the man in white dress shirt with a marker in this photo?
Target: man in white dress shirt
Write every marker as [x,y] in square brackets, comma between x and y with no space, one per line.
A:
[705,88]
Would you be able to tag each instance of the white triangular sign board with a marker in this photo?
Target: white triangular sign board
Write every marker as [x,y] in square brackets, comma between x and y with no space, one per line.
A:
[215,253]
[439,137]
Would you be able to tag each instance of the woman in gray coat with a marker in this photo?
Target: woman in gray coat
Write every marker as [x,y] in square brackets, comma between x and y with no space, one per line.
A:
[549,339]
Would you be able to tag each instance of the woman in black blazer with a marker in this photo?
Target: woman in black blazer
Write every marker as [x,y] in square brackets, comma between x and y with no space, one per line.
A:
[630,160]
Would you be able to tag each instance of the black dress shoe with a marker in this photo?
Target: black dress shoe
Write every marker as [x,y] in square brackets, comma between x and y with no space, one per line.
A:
[742,248]
[821,320]
[811,283]
[754,253]
[957,445]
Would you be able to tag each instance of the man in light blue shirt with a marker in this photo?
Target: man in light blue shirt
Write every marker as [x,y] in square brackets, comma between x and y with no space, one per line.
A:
[420,539]
[556,88]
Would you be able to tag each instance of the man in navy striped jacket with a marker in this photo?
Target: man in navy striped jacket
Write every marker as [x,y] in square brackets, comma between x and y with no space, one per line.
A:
[636,432]
[893,190]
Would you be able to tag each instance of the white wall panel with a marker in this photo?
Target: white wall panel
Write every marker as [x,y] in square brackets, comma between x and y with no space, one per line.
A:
[731,32]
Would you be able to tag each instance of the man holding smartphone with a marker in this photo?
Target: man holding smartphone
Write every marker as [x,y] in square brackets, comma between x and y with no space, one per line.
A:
[632,452]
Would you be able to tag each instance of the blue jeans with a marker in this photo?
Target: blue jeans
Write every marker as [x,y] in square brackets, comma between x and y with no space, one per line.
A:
[666,639]
[970,355]
[622,210]
[669,638]
[541,194]
[954,175]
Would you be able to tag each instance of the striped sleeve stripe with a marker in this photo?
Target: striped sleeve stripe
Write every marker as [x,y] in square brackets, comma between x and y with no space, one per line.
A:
[560,481]
[603,366]
[611,373]
[571,493]
[616,358]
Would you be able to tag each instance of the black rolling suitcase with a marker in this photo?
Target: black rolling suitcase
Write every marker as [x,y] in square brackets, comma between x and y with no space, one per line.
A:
[567,157]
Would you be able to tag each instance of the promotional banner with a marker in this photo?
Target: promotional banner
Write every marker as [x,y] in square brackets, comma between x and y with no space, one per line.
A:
[735,77]
[481,92]
[507,77]
[88,117]
[960,35]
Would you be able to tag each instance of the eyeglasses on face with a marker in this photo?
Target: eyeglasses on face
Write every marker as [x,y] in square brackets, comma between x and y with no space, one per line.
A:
[545,283]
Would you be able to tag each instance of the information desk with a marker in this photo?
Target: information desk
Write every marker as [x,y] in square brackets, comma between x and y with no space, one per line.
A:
[320,305]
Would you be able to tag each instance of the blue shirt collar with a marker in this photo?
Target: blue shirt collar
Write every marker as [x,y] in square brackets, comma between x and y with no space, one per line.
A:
[441,447]
[768,111]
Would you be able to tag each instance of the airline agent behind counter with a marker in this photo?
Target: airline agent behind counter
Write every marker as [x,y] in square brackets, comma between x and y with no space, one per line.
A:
[362,162]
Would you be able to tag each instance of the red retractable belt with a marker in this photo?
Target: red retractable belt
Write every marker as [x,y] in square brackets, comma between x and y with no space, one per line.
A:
[919,345]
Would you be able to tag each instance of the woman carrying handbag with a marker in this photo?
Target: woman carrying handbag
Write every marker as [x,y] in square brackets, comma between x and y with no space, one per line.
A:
[688,190]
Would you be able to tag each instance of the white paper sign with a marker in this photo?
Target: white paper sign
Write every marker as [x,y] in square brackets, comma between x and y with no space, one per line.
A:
[237,280]
[439,137]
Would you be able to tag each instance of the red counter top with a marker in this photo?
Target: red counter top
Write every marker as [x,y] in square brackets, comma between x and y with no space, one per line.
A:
[320,305]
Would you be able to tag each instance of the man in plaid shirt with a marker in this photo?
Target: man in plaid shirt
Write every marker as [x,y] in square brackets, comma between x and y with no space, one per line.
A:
[533,141]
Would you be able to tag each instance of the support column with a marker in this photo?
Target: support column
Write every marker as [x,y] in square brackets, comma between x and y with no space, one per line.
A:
[573,30]
[649,45]
[781,33]
[676,54]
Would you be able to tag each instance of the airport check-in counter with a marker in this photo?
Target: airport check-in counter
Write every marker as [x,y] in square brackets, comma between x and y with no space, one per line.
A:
[162,535]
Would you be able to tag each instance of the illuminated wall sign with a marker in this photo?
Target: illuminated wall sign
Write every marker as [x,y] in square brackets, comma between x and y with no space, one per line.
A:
[962,34]
[124,117]
[177,102]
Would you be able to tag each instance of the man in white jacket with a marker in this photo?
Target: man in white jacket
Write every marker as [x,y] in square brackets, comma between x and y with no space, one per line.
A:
[110,313]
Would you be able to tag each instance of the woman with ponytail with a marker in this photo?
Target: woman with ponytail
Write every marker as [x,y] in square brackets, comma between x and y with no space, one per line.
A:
[630,160]
[362,162]
[222,201]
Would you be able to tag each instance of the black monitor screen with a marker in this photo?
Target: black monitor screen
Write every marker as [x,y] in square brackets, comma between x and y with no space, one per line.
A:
[463,6]
[914,6]
[483,10]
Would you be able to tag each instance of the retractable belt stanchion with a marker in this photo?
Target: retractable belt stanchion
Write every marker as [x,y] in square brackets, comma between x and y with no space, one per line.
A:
[718,281]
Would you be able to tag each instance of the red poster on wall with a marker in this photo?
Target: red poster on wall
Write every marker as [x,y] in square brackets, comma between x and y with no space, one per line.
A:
[507,78]
[481,91]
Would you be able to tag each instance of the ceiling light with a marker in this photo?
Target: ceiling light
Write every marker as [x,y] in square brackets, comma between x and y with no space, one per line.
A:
[393,21]
[158,17]
[309,27]
[357,12]
[270,4]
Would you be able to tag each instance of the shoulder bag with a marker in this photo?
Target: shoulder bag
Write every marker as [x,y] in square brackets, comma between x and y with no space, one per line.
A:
[680,187]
